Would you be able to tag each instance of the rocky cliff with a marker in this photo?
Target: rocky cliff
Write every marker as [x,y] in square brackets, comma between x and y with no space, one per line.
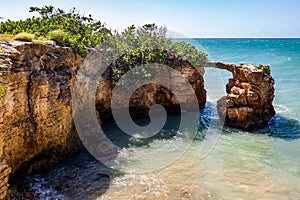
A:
[248,104]
[36,123]
[150,94]
[36,129]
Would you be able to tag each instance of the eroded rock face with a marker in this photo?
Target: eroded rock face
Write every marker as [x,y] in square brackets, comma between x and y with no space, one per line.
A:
[4,176]
[148,95]
[248,104]
[36,124]
[36,127]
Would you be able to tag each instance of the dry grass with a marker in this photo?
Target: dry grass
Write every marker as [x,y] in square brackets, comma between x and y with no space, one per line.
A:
[24,37]
[9,37]
[6,37]
[40,40]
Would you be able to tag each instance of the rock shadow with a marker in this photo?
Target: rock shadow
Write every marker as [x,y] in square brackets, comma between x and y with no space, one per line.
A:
[282,127]
[78,177]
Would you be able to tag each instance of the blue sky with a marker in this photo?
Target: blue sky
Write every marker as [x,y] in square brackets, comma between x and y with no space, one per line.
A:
[192,18]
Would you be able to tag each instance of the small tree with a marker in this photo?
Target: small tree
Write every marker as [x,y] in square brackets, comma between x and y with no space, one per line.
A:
[83,31]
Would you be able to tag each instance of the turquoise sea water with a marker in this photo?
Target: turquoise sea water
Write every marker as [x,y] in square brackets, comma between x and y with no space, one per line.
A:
[264,164]
[283,55]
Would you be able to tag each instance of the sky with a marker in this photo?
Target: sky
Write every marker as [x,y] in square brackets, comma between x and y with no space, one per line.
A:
[190,18]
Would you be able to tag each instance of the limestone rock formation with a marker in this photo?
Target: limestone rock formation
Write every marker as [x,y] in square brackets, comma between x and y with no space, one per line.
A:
[148,95]
[4,175]
[36,123]
[248,104]
[36,129]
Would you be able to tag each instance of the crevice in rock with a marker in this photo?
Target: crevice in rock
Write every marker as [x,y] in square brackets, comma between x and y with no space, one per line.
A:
[29,104]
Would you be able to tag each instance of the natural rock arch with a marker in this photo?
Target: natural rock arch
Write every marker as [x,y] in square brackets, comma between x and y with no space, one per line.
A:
[250,93]
[36,122]
[248,104]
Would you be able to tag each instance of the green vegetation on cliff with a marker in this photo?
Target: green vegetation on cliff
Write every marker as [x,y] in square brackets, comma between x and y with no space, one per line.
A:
[147,44]
[71,28]
[83,32]
[263,67]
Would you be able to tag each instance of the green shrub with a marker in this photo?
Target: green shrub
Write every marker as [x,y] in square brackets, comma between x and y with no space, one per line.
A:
[263,67]
[24,37]
[147,44]
[83,30]
[58,36]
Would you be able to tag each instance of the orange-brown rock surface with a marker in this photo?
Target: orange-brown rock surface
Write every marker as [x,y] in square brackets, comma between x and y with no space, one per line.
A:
[36,123]
[148,95]
[248,104]
[36,129]
[4,176]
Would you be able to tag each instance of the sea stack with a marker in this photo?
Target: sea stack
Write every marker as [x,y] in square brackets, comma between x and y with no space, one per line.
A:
[250,93]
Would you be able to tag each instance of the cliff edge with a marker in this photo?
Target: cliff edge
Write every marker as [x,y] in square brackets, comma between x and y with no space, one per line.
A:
[36,128]
[36,122]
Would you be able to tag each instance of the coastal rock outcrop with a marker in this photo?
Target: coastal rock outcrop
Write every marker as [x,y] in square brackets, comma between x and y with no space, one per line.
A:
[36,83]
[36,128]
[150,94]
[248,104]
[36,122]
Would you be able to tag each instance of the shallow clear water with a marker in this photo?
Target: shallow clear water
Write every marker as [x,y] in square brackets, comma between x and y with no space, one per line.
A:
[230,164]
